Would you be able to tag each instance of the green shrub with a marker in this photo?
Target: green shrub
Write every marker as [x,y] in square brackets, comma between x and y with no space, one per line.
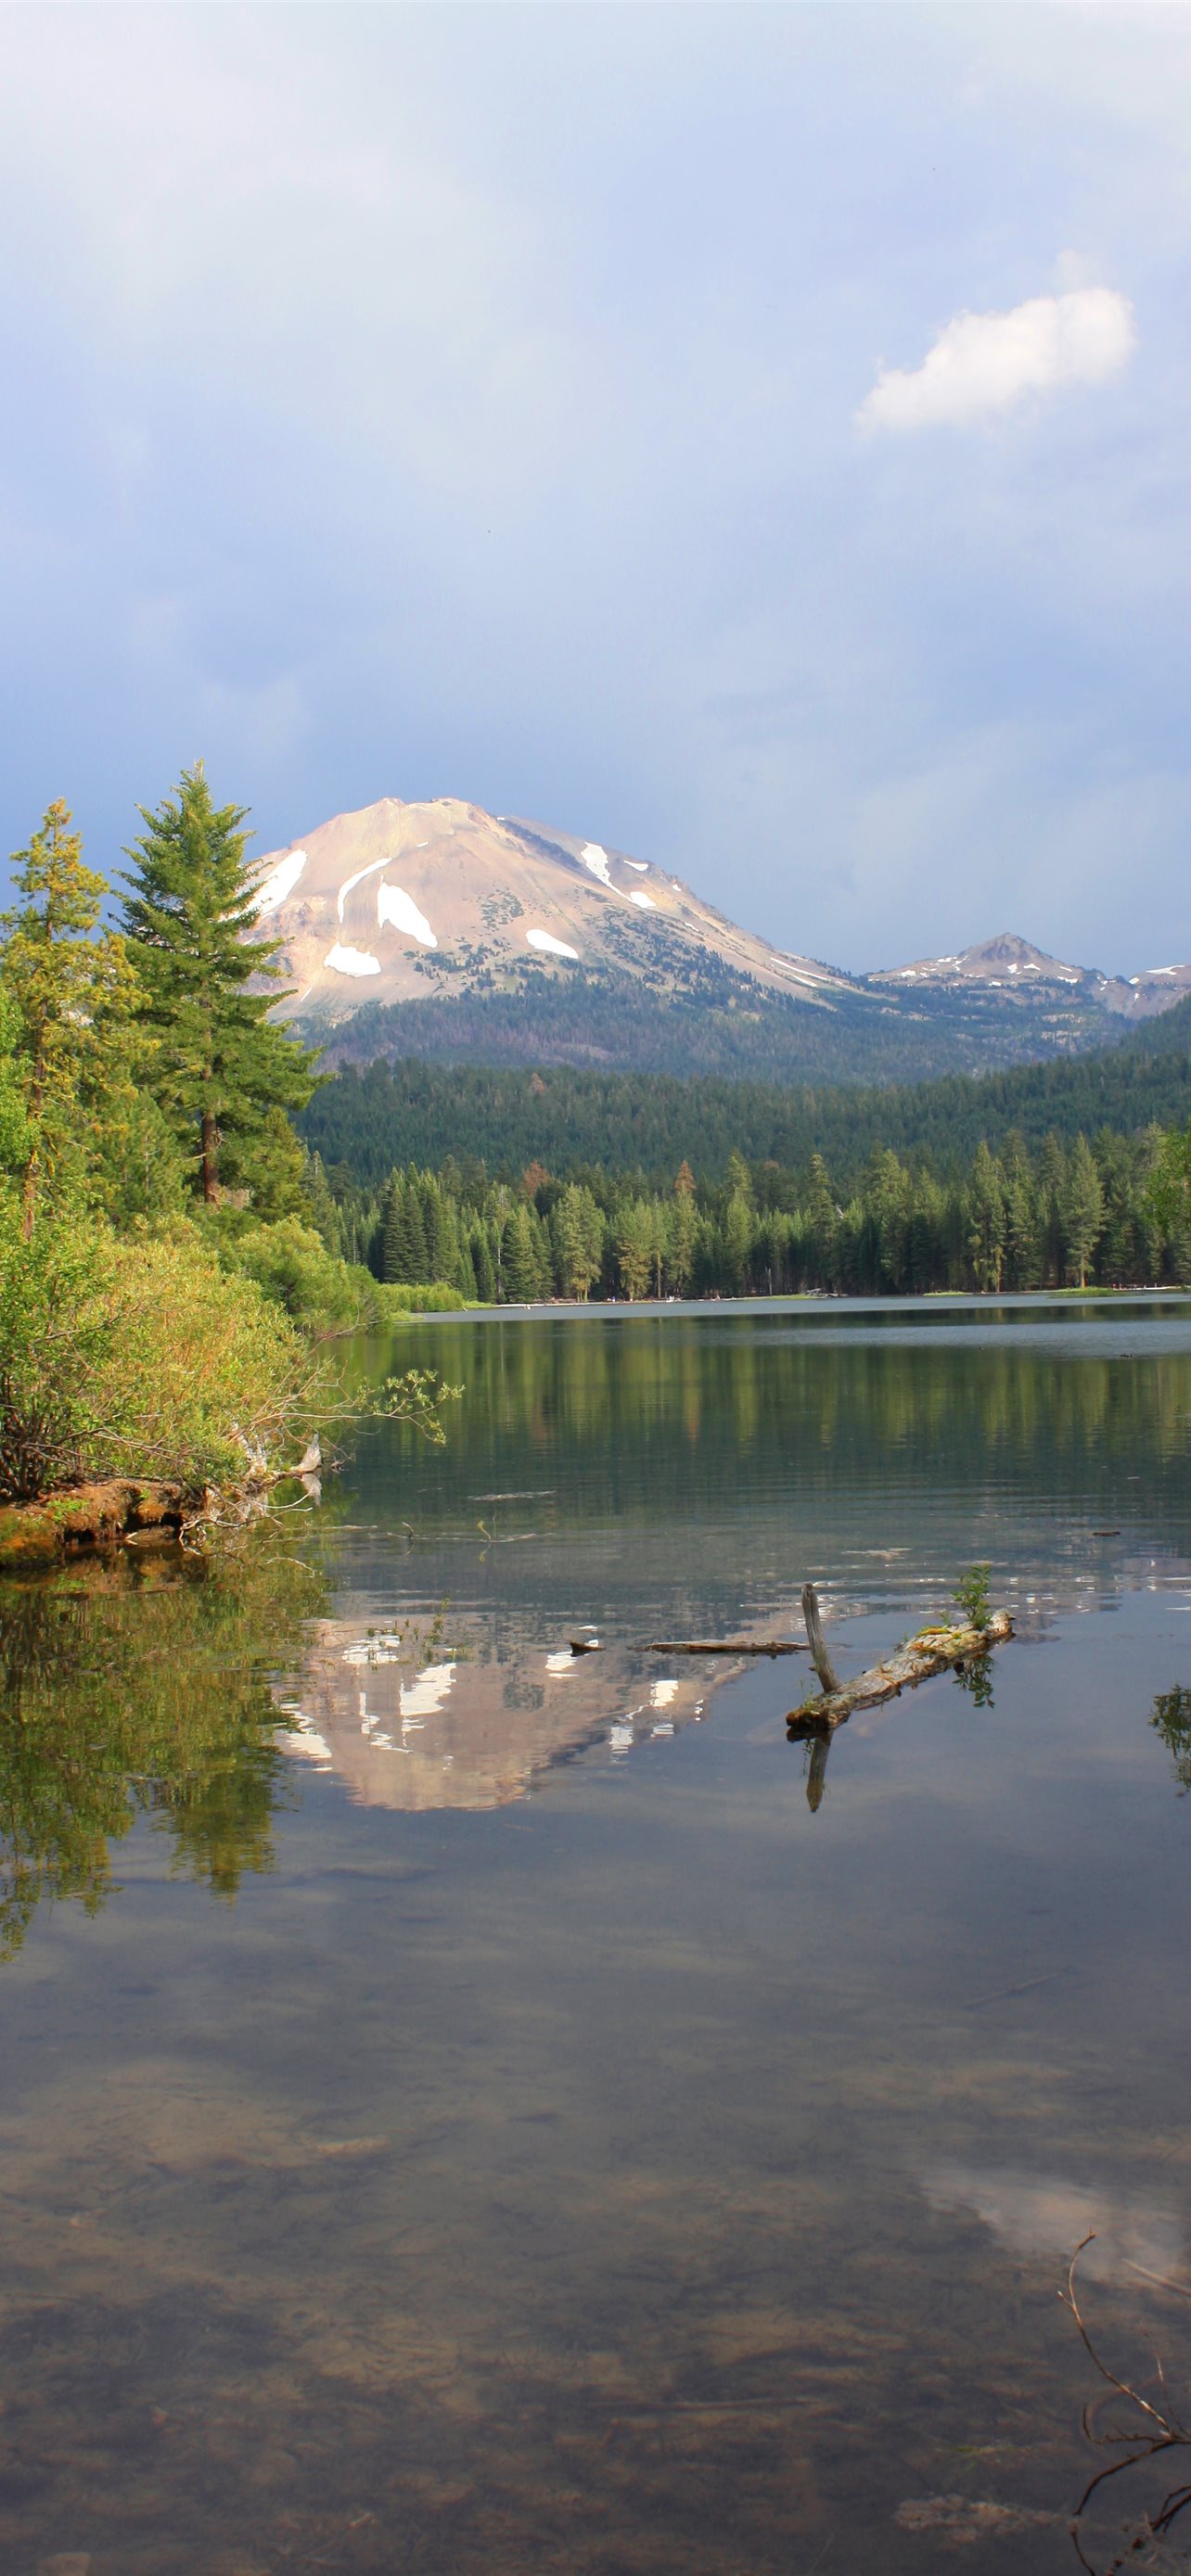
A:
[139,1358]
[292,1267]
[52,1336]
[397,1297]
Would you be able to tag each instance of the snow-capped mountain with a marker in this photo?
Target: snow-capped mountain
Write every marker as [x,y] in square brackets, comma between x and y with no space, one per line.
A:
[1010,965]
[403,903]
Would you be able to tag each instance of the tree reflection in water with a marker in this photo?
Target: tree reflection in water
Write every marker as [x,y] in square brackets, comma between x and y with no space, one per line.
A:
[143,1689]
[1172,1718]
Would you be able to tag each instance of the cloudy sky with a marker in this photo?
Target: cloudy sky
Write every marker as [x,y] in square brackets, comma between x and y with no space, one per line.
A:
[757,438]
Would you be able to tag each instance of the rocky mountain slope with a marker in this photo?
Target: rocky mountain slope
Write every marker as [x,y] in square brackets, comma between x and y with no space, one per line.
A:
[439,930]
[1010,966]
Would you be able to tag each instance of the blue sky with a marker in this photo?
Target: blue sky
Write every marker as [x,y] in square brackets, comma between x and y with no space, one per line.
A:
[571,408]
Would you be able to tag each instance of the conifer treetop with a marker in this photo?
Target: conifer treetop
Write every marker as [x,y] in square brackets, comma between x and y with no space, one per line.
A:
[221,1065]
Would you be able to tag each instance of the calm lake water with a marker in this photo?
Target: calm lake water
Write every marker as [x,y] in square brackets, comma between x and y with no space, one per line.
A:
[463,2109]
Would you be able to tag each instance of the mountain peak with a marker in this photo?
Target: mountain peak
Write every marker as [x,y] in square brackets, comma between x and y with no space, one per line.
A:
[989,961]
[438,900]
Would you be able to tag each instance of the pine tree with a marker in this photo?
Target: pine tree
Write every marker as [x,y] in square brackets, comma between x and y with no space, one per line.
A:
[73,995]
[986,1220]
[417,1264]
[824,1222]
[634,1247]
[483,1264]
[322,1212]
[1023,1222]
[519,1275]
[219,1064]
[578,1229]
[684,1226]
[394,1242]
[1081,1210]
[738,1240]
[465,1275]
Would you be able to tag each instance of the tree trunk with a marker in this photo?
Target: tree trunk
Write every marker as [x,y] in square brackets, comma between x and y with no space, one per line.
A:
[210,1134]
[29,1193]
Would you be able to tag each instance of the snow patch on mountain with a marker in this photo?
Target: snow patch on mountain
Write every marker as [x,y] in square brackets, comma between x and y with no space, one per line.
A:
[280,882]
[395,906]
[550,946]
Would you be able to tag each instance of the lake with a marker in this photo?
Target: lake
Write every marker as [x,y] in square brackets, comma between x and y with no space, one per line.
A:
[464,2108]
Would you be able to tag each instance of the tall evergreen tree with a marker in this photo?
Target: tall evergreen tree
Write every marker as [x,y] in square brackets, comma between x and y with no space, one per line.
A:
[219,1064]
[73,994]
[1081,1208]
[483,1264]
[986,1220]
[519,1275]
[684,1227]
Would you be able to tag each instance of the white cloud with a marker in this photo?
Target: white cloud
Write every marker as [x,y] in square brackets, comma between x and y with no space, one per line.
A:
[983,362]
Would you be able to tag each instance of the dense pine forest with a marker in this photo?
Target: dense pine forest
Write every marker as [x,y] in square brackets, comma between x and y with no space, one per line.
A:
[647,1124]
[518,1185]
[1110,1214]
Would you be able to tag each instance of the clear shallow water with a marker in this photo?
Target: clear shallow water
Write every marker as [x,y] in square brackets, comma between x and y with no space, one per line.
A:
[486,2119]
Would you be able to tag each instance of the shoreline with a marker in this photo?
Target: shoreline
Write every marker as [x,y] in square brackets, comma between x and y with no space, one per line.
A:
[106,1511]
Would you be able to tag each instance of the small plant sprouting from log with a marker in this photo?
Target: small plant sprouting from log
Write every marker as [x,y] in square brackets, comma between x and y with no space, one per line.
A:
[971,1593]
[1157,2432]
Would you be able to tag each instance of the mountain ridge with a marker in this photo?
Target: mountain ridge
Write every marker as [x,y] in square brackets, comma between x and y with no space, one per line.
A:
[433,927]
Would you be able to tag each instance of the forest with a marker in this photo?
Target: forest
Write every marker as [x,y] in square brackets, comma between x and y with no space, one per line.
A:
[363,1123]
[1112,1213]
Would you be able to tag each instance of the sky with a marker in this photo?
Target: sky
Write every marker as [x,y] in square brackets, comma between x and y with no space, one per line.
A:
[754,438]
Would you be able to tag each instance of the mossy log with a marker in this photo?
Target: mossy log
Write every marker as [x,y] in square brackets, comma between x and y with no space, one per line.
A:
[105,1513]
[933,1650]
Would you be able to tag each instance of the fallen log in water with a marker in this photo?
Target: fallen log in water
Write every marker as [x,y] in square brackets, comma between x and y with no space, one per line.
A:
[727,1646]
[933,1650]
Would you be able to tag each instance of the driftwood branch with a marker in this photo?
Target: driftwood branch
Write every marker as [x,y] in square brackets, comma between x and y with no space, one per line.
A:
[824,1667]
[726,1646]
[931,1651]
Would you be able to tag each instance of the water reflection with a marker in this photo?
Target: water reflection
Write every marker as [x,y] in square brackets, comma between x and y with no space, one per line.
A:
[406,1720]
[1172,1719]
[1031,2214]
[141,1690]
[567,2154]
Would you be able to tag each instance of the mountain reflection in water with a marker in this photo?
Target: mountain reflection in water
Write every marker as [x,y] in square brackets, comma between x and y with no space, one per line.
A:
[479,1725]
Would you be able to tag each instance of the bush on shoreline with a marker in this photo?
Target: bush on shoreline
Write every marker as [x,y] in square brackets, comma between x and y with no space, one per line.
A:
[139,1358]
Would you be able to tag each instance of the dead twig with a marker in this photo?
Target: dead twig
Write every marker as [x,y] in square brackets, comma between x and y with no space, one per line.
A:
[1161,2432]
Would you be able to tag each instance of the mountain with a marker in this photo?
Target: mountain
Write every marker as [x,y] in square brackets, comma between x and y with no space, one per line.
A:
[438,930]
[404,901]
[1010,966]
